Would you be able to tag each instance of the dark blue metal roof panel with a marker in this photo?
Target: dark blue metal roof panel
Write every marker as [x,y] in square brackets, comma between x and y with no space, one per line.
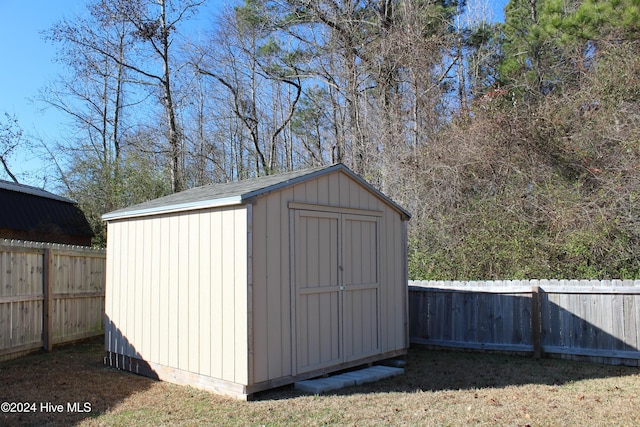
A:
[32,211]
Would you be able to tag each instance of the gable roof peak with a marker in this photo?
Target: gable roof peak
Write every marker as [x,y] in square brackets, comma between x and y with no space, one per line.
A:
[237,192]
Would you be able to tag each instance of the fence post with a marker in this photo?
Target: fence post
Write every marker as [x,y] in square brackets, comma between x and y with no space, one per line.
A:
[535,322]
[47,318]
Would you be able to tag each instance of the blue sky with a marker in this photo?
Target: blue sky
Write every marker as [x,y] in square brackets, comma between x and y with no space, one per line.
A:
[28,65]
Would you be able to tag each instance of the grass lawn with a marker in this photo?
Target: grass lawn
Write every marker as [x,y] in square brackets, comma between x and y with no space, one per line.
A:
[438,388]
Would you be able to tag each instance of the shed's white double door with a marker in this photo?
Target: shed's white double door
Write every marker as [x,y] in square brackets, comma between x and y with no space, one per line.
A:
[336,288]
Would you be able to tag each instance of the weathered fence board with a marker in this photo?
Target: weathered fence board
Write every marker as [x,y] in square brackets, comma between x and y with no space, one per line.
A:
[49,294]
[594,319]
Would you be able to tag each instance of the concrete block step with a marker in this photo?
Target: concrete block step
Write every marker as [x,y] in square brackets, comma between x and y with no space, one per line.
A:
[336,382]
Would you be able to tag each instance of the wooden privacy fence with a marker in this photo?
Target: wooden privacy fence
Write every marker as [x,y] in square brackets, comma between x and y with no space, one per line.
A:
[49,294]
[596,320]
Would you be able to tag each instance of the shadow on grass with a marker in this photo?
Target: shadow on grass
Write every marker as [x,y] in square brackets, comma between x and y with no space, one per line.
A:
[76,374]
[438,370]
[73,376]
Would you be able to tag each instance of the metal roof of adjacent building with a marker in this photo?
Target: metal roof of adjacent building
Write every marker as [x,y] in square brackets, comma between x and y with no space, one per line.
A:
[31,209]
[239,192]
[35,191]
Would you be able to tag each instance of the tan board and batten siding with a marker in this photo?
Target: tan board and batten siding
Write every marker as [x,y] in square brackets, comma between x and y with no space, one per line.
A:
[152,318]
[208,297]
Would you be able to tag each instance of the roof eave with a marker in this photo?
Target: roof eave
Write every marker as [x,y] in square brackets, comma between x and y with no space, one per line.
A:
[202,204]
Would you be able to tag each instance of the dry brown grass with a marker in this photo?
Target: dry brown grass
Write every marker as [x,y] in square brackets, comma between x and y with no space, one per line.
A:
[439,388]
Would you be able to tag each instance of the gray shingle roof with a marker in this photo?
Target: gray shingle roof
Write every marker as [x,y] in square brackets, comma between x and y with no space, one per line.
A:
[233,193]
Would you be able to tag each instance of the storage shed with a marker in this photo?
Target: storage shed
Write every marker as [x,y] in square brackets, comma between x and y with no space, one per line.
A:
[241,287]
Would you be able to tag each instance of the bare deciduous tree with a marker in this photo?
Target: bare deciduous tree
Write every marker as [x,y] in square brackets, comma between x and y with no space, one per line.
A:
[10,138]
[153,59]
[262,80]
